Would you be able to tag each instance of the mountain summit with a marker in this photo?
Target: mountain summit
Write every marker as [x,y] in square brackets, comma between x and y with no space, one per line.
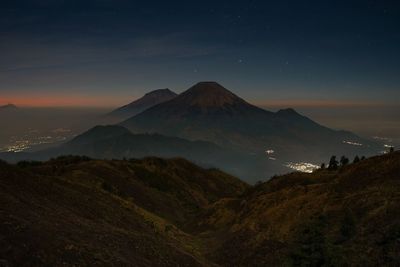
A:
[205,102]
[209,94]
[148,100]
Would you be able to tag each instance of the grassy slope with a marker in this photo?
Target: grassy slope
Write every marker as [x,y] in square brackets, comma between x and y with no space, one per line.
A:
[171,212]
[105,212]
[348,218]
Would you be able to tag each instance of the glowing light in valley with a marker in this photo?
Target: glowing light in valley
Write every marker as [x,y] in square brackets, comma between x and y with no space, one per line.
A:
[302,166]
[18,146]
[272,158]
[269,151]
[34,138]
[352,143]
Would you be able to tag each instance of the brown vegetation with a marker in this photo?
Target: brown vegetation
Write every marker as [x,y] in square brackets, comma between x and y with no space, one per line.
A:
[155,212]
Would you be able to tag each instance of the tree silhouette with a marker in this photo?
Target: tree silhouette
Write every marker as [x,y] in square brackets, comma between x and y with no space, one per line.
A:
[391,149]
[322,166]
[344,161]
[333,163]
[356,159]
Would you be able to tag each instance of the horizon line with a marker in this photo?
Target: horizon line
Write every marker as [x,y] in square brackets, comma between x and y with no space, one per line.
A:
[321,103]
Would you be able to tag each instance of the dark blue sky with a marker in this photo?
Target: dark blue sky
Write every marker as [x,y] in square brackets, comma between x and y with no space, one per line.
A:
[105,52]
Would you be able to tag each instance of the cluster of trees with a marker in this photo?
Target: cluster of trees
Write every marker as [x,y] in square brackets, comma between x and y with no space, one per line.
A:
[334,164]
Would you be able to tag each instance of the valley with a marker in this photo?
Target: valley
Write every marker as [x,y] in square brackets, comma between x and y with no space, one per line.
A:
[79,211]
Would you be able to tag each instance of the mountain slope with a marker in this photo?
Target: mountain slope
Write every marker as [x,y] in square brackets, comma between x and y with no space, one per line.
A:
[116,142]
[74,211]
[148,100]
[207,111]
[205,105]
[329,218]
[153,212]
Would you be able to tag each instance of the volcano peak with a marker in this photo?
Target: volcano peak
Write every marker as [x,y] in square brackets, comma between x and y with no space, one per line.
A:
[209,94]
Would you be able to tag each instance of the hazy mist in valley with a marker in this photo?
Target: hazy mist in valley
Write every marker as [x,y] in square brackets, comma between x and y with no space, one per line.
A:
[379,122]
[368,122]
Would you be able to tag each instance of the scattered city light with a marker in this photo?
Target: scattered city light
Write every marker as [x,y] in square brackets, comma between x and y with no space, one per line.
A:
[269,151]
[34,138]
[302,166]
[352,143]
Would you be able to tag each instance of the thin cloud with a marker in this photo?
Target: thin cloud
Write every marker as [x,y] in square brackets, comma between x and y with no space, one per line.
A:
[20,54]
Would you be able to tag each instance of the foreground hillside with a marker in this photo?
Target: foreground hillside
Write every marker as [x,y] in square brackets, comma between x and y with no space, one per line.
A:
[73,211]
[154,212]
[347,217]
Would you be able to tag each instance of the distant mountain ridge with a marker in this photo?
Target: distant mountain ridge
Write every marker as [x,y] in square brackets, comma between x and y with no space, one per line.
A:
[208,111]
[8,107]
[148,100]
[117,142]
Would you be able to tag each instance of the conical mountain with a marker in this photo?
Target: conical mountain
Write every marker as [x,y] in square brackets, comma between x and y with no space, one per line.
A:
[148,100]
[206,104]
[209,95]
[208,111]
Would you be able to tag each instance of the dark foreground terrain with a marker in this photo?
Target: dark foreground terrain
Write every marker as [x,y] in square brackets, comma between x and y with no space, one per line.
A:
[74,211]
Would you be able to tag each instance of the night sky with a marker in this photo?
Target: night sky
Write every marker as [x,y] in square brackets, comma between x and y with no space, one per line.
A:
[106,53]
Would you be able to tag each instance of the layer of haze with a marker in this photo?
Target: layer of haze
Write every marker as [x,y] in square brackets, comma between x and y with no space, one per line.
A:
[378,121]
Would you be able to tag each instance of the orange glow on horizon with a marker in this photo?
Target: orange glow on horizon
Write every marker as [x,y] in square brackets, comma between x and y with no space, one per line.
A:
[117,101]
[64,101]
